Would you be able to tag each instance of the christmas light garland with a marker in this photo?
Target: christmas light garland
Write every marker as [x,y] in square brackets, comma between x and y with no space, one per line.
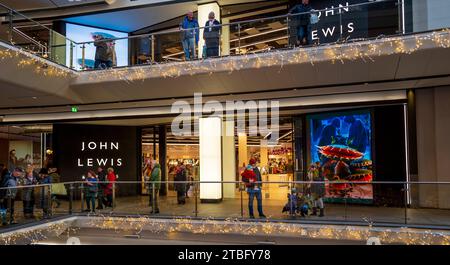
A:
[365,50]
[136,225]
[40,65]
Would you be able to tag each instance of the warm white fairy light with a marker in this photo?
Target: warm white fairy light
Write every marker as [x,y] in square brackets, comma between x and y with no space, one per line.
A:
[136,225]
[364,50]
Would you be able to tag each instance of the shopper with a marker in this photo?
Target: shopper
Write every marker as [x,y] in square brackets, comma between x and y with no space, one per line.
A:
[301,17]
[8,194]
[28,198]
[101,176]
[112,54]
[91,190]
[108,190]
[317,189]
[211,35]
[252,179]
[3,207]
[189,35]
[57,187]
[103,55]
[12,160]
[180,184]
[45,199]
[155,179]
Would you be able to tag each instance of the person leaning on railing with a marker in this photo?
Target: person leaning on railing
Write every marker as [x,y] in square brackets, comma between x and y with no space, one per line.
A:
[103,55]
[189,35]
[211,35]
[28,193]
[301,19]
[8,194]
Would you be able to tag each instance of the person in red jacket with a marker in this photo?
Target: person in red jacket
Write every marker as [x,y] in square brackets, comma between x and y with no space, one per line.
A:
[250,179]
[108,189]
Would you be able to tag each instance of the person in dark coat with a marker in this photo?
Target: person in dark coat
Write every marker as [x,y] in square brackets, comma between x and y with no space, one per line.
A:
[101,201]
[9,195]
[28,193]
[301,18]
[180,184]
[103,55]
[211,35]
[45,199]
[317,189]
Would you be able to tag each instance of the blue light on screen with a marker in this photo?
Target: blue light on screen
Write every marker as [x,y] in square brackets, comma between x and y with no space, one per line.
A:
[80,33]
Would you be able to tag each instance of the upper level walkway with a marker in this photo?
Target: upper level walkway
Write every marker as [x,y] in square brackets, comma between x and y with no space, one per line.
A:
[378,68]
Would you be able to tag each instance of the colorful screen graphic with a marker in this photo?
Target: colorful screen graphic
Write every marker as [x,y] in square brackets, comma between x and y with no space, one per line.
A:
[341,144]
[79,34]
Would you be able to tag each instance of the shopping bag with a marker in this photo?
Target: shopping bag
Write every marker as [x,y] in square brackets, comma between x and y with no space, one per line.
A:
[59,189]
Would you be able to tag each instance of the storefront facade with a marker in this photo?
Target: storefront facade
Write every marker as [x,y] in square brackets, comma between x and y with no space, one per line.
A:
[363,144]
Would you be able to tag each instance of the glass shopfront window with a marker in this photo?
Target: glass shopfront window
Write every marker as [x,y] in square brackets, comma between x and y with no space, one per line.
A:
[26,145]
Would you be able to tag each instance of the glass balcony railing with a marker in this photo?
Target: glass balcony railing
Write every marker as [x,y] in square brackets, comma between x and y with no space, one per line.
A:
[375,203]
[29,35]
[341,24]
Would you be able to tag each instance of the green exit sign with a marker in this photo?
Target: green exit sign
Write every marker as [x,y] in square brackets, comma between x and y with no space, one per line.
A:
[74,109]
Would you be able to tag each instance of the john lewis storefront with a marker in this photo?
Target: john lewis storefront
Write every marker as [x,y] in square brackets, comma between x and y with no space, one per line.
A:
[365,144]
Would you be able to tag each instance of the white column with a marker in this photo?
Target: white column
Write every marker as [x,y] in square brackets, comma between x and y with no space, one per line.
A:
[203,12]
[210,132]
[225,38]
[228,159]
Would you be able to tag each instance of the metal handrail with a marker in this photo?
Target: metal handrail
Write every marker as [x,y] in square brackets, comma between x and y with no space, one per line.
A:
[146,35]
[241,182]
[34,21]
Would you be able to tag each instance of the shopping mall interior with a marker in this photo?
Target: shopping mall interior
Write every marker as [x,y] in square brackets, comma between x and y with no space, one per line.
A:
[362,102]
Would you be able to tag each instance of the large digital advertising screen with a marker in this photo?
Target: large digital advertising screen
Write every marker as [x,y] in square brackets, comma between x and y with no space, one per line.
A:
[341,143]
[79,33]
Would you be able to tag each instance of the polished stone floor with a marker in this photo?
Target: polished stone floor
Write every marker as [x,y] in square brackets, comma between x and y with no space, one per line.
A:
[238,208]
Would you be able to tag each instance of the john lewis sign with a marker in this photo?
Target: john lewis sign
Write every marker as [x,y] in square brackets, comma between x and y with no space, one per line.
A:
[339,19]
[79,148]
[100,162]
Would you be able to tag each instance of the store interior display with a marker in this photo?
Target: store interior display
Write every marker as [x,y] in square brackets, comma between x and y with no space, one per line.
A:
[341,143]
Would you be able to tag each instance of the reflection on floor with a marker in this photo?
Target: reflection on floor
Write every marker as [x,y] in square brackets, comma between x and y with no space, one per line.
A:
[237,208]
[105,237]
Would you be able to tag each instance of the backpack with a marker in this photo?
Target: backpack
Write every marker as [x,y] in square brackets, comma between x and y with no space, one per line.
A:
[179,176]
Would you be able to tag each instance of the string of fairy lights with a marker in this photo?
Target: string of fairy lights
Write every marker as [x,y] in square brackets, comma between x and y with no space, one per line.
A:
[364,50]
[139,224]
[361,49]
[39,65]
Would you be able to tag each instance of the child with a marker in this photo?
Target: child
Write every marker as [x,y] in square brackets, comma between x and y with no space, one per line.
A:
[292,203]
[249,177]
[305,205]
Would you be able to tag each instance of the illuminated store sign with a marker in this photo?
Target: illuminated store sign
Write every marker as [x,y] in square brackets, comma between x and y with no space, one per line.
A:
[100,162]
[79,148]
[339,20]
